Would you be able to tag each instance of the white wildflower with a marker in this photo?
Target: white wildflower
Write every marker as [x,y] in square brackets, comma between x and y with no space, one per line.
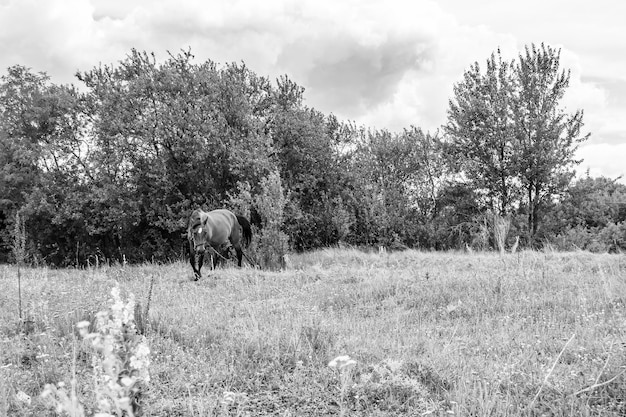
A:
[228,398]
[127,381]
[344,365]
[83,328]
[22,397]
[342,362]
[140,361]
[120,361]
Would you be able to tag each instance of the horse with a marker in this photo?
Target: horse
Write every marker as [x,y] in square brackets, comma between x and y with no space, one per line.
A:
[220,230]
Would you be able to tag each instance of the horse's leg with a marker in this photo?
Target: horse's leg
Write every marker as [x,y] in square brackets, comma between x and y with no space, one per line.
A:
[230,251]
[235,243]
[193,257]
[200,257]
[239,255]
[218,253]
[224,253]
[238,251]
[192,261]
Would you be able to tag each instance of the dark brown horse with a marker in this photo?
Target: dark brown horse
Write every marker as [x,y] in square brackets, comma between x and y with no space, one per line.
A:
[216,231]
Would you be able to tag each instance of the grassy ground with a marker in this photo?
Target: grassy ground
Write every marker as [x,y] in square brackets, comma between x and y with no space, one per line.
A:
[433,334]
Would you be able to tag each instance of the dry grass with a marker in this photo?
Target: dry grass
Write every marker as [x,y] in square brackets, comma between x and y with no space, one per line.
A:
[433,333]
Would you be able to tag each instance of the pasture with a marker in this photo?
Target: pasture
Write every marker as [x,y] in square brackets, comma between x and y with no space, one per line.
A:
[532,333]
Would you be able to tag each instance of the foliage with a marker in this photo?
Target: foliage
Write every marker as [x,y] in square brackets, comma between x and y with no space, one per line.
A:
[590,216]
[19,239]
[481,132]
[38,145]
[272,244]
[593,202]
[508,134]
[546,138]
[110,171]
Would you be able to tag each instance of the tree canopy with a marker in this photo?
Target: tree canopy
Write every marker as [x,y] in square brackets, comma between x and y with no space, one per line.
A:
[510,136]
[113,169]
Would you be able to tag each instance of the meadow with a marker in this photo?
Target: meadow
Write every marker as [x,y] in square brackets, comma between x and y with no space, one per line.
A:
[481,334]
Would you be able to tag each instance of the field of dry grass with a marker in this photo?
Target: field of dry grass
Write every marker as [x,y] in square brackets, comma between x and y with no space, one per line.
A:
[531,333]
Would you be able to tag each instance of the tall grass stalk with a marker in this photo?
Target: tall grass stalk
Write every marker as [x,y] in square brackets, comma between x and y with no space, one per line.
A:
[4,393]
[501,226]
[545,380]
[19,252]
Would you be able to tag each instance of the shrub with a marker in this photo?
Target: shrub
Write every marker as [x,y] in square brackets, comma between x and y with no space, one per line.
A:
[120,360]
[270,204]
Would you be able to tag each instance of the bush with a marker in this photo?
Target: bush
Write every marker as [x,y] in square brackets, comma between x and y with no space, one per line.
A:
[611,238]
[273,243]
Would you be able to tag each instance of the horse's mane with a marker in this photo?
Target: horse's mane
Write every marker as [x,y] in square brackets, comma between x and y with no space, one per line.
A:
[195,219]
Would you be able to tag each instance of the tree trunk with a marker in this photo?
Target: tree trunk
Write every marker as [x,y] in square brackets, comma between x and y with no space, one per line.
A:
[504,198]
[533,213]
[536,203]
[531,216]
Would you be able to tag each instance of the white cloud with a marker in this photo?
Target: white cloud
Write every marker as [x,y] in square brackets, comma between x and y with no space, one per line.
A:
[602,159]
[382,63]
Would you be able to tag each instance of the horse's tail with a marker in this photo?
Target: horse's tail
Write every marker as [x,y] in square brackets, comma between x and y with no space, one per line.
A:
[247,229]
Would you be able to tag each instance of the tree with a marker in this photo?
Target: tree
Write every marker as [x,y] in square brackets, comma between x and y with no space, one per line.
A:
[172,137]
[592,203]
[590,215]
[507,135]
[21,127]
[429,175]
[480,132]
[42,149]
[304,150]
[546,138]
[396,182]
[458,217]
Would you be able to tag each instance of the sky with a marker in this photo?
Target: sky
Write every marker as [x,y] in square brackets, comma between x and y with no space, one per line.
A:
[380,63]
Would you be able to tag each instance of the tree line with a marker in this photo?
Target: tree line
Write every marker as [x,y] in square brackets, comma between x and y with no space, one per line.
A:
[113,169]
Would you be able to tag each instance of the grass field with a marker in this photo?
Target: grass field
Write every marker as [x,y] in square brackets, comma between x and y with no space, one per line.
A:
[522,334]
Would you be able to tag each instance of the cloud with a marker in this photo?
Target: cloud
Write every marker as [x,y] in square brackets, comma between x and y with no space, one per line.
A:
[111,9]
[349,77]
[602,160]
[382,63]
[420,95]
[41,35]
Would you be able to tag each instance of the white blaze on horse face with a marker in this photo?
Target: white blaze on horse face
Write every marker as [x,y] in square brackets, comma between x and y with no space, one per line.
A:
[199,230]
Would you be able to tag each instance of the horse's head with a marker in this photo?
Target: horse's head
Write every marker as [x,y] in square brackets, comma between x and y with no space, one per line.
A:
[198,237]
[197,231]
